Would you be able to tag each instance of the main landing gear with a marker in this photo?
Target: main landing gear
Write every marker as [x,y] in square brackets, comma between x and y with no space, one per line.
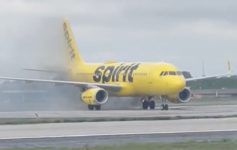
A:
[94,107]
[148,102]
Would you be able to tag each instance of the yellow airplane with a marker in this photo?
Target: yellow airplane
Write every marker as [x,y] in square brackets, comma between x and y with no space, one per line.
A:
[98,81]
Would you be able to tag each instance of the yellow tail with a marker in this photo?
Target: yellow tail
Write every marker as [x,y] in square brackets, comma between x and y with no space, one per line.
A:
[74,59]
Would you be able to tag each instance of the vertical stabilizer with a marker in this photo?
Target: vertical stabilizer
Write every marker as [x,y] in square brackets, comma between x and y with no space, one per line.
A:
[74,58]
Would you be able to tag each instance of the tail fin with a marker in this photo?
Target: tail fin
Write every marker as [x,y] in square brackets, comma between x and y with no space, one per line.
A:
[74,58]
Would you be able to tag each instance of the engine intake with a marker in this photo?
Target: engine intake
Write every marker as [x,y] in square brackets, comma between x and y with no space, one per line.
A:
[183,97]
[94,96]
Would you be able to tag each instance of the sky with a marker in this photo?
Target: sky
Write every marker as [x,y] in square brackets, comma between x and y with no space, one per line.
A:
[186,33]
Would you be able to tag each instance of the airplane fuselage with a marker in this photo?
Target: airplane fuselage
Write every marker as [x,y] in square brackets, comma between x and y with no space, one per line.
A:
[136,79]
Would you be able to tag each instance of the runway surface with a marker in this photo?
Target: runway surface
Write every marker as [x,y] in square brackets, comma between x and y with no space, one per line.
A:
[209,107]
[175,111]
[220,123]
[90,133]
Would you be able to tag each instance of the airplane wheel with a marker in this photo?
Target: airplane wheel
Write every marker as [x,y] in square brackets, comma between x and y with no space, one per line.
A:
[97,107]
[145,104]
[164,107]
[91,107]
[152,104]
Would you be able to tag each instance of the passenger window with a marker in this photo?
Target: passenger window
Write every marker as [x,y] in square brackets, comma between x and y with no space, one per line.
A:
[165,73]
[161,74]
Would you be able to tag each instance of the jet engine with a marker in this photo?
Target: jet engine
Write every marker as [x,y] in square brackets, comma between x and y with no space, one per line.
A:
[94,96]
[183,97]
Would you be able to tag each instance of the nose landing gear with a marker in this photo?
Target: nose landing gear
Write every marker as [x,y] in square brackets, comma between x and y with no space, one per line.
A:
[164,105]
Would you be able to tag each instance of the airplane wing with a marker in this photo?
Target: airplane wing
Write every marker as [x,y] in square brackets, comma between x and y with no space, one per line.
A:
[109,87]
[228,74]
[41,70]
[208,77]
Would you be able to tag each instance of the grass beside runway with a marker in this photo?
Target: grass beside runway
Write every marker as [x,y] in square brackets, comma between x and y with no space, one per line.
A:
[205,145]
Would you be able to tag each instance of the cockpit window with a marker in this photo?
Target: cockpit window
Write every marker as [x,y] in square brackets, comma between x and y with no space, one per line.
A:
[171,73]
[179,73]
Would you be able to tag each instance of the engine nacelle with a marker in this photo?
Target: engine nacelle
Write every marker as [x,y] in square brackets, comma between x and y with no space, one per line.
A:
[183,97]
[94,96]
